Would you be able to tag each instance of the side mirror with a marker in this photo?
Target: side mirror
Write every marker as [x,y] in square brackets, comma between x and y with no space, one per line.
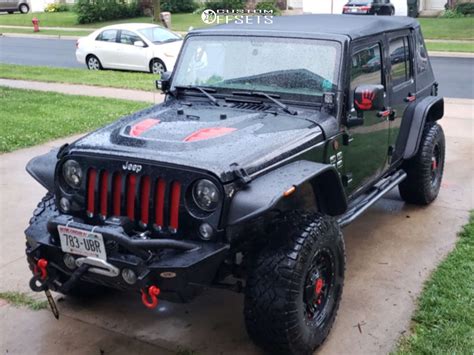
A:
[139,44]
[369,98]
[164,82]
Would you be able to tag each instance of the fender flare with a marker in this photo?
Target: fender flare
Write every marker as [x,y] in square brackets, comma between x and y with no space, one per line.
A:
[430,108]
[42,169]
[267,191]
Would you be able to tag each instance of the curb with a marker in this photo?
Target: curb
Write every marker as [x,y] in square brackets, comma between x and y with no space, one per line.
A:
[451,54]
[26,35]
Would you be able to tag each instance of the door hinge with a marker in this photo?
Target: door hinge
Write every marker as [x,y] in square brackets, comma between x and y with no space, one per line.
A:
[346,179]
[347,139]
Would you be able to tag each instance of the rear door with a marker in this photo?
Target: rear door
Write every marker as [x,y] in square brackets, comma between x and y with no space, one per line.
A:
[106,48]
[402,88]
[365,157]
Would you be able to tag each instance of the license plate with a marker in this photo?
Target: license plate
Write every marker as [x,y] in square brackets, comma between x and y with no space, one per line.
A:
[80,242]
[354,9]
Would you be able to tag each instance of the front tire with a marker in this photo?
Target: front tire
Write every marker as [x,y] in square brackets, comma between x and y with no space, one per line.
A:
[24,8]
[295,285]
[45,210]
[157,67]
[425,169]
[93,63]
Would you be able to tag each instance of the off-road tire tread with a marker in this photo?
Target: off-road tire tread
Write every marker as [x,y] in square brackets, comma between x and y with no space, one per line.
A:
[417,188]
[267,325]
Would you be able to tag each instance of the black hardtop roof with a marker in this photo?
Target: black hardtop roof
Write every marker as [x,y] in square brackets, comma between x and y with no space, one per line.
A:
[352,26]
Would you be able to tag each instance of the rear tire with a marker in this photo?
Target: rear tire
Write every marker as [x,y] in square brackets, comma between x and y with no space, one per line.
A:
[295,285]
[93,63]
[425,169]
[45,210]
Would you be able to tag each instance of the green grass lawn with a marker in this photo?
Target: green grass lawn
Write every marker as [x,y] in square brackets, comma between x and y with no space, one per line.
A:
[106,78]
[448,28]
[451,47]
[444,320]
[179,22]
[32,117]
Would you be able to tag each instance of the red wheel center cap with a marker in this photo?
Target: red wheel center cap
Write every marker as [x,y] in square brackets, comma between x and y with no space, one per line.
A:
[318,286]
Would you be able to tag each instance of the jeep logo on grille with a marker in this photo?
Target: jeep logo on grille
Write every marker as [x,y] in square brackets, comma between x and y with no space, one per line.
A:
[132,167]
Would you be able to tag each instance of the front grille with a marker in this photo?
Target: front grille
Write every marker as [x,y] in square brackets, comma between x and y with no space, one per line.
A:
[152,202]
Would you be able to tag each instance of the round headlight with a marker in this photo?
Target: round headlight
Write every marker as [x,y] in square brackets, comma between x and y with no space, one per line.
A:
[72,173]
[206,195]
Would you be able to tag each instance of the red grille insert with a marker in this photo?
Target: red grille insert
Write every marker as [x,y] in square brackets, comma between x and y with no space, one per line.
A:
[160,203]
[92,175]
[145,200]
[103,193]
[131,189]
[175,195]
[141,198]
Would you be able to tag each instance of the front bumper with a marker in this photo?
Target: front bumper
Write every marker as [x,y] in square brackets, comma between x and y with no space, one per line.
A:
[179,268]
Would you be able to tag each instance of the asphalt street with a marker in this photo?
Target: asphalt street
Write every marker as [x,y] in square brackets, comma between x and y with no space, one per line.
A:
[453,74]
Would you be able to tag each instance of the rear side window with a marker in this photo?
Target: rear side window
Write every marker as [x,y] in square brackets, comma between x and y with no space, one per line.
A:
[127,37]
[366,67]
[421,53]
[107,36]
[400,59]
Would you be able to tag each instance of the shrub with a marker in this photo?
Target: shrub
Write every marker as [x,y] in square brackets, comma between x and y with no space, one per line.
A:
[466,8]
[451,14]
[268,5]
[225,4]
[56,8]
[177,6]
[89,11]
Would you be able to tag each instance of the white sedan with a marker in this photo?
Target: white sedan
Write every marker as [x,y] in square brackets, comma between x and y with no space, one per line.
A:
[131,46]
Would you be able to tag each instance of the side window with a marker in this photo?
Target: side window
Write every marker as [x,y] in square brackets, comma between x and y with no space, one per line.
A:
[366,67]
[421,53]
[107,36]
[400,59]
[127,37]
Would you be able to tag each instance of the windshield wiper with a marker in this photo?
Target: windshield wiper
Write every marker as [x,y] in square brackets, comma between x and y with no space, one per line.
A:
[205,91]
[269,97]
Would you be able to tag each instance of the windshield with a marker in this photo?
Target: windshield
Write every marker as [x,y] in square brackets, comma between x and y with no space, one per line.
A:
[283,66]
[159,35]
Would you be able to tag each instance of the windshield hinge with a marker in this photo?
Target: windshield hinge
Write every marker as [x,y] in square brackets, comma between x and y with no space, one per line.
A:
[240,173]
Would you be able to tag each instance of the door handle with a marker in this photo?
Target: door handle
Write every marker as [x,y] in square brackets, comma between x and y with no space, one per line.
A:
[385,113]
[410,98]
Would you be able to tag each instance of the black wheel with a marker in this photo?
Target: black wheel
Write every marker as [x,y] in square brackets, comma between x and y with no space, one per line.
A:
[295,285]
[425,169]
[45,210]
[157,67]
[24,8]
[93,63]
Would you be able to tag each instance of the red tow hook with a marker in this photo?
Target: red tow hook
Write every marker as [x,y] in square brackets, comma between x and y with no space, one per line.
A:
[40,268]
[153,291]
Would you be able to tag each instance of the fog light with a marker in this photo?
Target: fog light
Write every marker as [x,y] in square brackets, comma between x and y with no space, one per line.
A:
[69,261]
[129,276]
[64,204]
[206,231]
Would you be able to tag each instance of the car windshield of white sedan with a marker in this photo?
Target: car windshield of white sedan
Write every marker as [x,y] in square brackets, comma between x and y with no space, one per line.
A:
[273,65]
[159,35]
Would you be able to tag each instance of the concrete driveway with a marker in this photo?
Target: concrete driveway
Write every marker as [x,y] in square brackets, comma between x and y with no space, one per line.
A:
[390,252]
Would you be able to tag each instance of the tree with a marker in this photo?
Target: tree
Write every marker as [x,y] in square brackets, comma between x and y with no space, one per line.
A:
[156,10]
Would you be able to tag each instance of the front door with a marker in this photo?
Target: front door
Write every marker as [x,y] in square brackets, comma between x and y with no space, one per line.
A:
[365,155]
[402,88]
[130,56]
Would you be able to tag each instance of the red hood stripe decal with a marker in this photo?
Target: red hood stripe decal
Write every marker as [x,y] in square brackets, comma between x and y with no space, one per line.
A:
[141,127]
[208,133]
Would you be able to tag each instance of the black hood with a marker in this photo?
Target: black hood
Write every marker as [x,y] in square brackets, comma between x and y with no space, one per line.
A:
[207,137]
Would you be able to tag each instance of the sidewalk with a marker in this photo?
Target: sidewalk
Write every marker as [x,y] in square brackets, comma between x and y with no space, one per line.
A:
[86,90]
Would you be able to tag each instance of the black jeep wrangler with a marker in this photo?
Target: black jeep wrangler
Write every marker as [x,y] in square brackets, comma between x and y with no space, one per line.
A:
[272,138]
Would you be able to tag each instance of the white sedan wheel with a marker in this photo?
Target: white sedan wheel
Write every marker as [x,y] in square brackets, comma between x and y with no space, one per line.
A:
[157,67]
[93,63]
